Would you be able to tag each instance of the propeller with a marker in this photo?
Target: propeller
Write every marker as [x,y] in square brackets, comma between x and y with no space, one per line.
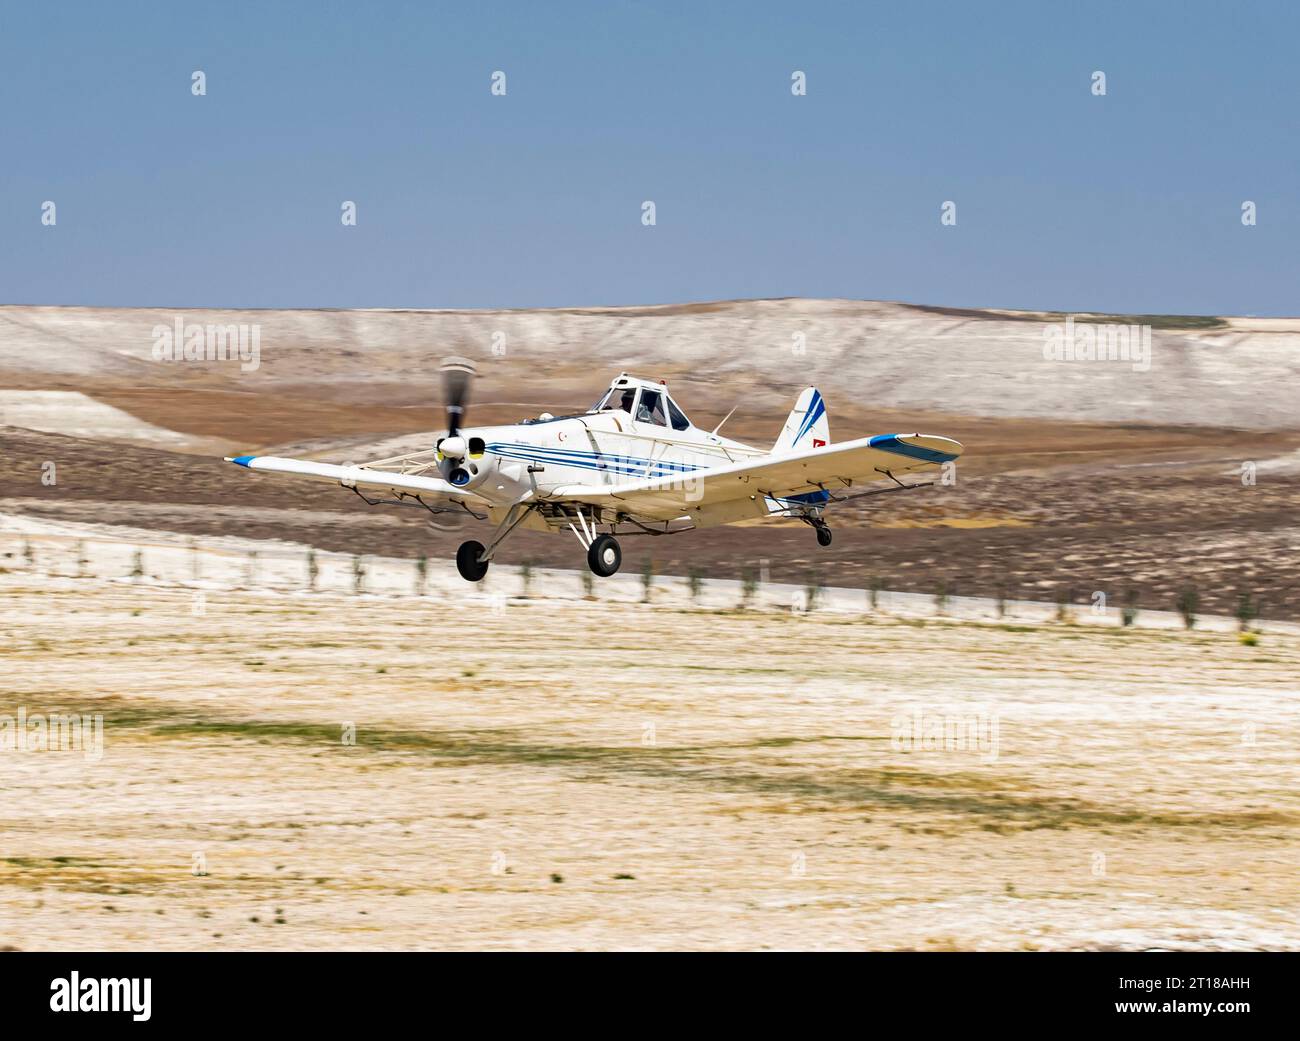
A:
[457,375]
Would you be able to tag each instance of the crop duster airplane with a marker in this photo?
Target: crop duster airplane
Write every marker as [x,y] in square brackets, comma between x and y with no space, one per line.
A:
[632,464]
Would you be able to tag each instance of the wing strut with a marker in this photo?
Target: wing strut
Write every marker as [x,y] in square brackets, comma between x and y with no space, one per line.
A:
[509,522]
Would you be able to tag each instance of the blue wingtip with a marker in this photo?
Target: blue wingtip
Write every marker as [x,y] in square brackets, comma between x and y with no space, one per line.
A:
[243,460]
[894,443]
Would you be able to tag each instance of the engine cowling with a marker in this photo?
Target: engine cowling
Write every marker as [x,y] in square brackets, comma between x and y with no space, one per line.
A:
[464,461]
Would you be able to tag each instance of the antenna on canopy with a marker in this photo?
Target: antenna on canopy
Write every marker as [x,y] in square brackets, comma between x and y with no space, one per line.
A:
[726,417]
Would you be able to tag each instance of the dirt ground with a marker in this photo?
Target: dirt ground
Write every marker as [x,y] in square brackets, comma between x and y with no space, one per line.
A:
[545,774]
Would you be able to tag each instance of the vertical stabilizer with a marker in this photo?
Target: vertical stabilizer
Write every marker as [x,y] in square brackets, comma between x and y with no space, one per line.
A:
[806,427]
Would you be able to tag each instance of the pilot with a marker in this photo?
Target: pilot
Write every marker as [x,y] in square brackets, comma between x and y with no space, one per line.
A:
[626,403]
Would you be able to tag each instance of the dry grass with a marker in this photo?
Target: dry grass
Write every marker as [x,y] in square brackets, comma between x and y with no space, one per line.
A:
[693,779]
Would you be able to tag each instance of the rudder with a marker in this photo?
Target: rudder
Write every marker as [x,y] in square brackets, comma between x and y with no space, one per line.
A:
[807,425]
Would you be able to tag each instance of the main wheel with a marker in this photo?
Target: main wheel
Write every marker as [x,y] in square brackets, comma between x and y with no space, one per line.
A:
[604,555]
[824,536]
[467,562]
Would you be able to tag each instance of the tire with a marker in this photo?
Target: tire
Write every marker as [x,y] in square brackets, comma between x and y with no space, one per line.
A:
[467,563]
[823,536]
[604,556]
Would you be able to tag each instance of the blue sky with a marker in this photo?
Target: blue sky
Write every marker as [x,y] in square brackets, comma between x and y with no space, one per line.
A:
[1129,202]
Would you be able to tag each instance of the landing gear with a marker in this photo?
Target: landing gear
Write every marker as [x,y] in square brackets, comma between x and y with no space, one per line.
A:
[604,555]
[823,535]
[467,561]
[472,559]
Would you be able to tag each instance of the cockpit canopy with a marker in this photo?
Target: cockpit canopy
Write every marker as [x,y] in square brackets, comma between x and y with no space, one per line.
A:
[644,401]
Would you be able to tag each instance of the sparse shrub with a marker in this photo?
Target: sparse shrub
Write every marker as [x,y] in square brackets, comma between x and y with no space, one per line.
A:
[1187,602]
[647,579]
[29,555]
[81,559]
[940,597]
[748,587]
[526,576]
[1063,599]
[421,574]
[313,570]
[1247,611]
[1128,614]
[875,585]
[137,563]
[358,574]
[695,583]
[250,569]
[812,591]
[588,585]
[1248,638]
[1001,601]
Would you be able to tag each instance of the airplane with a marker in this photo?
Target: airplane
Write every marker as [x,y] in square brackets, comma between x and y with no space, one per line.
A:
[632,464]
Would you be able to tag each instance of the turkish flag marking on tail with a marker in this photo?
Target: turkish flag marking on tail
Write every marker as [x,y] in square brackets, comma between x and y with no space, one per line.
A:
[818,444]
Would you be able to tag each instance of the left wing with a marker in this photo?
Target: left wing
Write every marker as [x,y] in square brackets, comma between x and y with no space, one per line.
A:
[833,466]
[368,475]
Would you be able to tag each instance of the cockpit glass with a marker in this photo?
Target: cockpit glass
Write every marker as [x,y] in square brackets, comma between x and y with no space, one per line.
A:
[651,408]
[680,422]
[615,397]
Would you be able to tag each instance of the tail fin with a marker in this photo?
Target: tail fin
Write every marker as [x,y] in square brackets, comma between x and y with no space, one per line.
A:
[806,427]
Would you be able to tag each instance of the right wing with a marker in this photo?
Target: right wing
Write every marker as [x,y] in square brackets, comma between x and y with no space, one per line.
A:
[781,476]
[368,475]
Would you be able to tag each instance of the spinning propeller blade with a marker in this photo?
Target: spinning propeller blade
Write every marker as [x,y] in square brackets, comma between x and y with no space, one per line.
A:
[457,374]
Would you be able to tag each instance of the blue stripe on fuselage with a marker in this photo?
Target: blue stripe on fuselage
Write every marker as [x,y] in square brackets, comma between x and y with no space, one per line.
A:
[609,461]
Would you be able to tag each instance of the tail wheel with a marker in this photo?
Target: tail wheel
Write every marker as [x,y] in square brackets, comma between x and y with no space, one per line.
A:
[467,561]
[604,555]
[824,536]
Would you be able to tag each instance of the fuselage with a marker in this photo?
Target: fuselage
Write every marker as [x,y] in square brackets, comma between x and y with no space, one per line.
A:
[635,433]
[599,448]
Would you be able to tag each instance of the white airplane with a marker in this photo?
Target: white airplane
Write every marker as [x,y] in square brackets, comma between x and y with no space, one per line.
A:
[632,464]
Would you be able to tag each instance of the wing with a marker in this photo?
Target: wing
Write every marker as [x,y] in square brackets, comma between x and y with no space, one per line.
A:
[833,466]
[409,473]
